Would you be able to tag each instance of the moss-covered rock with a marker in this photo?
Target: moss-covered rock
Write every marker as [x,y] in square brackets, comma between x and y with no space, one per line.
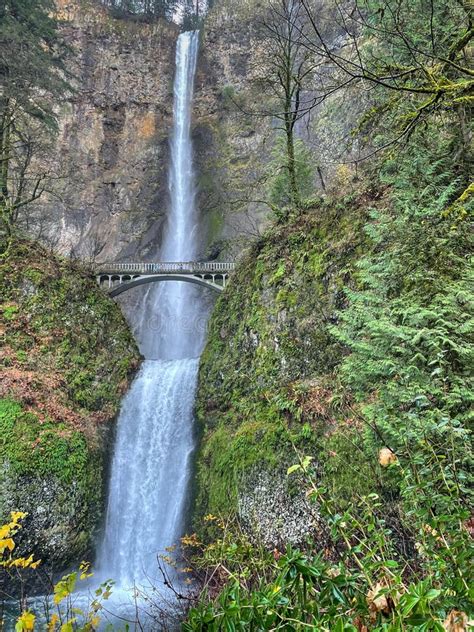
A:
[266,383]
[67,357]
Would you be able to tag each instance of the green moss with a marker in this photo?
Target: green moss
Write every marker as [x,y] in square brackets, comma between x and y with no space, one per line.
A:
[10,312]
[348,467]
[34,275]
[22,356]
[287,298]
[268,334]
[229,454]
[78,330]
[214,226]
[278,274]
[33,447]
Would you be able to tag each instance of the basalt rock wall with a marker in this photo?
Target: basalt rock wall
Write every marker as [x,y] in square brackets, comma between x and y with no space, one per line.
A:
[111,154]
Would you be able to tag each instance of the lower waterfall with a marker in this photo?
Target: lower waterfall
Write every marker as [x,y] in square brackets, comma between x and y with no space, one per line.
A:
[151,469]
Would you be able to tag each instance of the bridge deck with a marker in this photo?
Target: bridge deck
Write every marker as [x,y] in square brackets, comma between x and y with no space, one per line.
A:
[120,277]
[168,267]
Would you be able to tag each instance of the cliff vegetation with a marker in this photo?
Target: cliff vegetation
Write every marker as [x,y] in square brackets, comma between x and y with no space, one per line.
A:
[67,358]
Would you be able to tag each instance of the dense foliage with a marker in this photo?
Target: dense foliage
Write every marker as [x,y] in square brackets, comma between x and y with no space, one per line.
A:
[151,8]
[301,591]
[185,10]
[413,56]
[397,553]
[401,555]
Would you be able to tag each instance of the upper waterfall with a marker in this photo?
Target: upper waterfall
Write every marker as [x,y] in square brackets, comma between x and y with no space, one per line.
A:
[180,242]
[173,325]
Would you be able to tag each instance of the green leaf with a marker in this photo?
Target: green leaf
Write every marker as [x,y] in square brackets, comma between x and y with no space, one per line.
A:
[409,603]
[306,462]
[432,594]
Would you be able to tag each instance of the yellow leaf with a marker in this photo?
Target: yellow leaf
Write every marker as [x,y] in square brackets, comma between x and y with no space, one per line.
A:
[18,563]
[26,561]
[77,611]
[84,567]
[457,621]
[190,540]
[23,562]
[64,588]
[7,544]
[377,600]
[386,457]
[4,531]
[53,623]
[25,622]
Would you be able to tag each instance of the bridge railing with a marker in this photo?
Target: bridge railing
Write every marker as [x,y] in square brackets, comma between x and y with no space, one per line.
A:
[181,267]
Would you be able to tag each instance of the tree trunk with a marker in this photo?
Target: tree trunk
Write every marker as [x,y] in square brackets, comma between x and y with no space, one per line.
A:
[291,164]
[5,148]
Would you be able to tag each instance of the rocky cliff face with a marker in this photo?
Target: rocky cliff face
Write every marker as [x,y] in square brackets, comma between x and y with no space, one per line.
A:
[111,154]
[232,145]
[110,160]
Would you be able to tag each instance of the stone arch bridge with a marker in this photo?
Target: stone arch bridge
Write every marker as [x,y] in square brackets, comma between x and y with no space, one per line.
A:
[117,278]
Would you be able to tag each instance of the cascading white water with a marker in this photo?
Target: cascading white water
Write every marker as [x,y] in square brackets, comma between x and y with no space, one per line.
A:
[151,463]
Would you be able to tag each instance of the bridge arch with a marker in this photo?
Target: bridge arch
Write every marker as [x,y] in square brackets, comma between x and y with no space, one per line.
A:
[155,278]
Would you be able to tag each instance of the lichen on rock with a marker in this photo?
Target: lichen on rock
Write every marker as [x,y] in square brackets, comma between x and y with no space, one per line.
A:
[275,510]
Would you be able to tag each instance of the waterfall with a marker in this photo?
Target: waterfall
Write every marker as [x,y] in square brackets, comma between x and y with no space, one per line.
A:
[151,463]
